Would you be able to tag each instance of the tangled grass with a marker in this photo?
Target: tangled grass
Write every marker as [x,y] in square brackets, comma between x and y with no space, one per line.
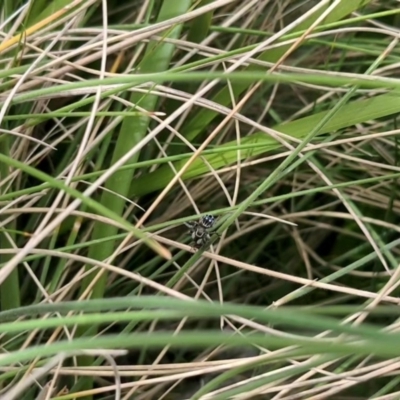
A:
[122,121]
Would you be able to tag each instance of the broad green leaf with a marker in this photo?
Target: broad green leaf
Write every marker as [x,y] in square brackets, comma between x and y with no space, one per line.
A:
[259,143]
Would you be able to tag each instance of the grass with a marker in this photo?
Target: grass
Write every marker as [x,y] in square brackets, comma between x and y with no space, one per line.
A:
[120,122]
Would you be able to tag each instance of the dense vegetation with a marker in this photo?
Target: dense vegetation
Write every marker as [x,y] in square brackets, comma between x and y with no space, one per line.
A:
[123,121]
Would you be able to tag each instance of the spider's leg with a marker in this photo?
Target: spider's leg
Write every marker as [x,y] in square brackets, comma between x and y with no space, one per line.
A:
[193,246]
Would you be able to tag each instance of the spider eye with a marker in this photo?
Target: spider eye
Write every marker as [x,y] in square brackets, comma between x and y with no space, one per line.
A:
[207,221]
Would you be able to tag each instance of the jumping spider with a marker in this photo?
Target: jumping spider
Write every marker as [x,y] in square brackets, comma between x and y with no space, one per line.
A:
[200,231]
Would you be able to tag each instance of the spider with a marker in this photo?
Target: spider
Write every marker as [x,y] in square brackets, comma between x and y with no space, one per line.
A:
[200,231]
